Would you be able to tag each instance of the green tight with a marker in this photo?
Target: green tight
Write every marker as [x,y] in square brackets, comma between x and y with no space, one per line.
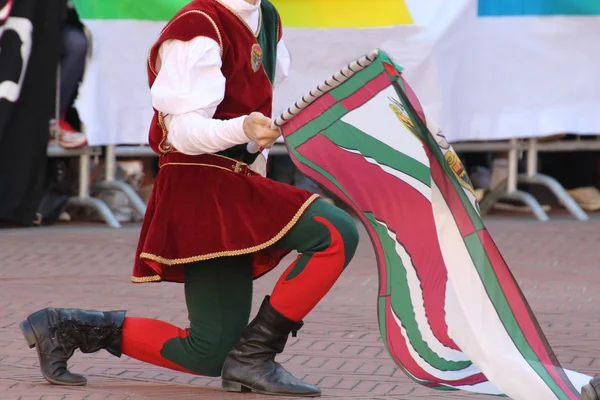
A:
[218,296]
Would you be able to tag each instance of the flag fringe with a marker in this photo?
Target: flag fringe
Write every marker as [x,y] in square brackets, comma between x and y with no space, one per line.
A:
[336,80]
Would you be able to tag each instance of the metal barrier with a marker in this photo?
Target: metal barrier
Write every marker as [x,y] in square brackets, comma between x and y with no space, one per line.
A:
[110,162]
[533,147]
[514,147]
[83,198]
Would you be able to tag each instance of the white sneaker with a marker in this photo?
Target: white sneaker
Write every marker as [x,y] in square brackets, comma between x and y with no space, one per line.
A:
[71,140]
[68,137]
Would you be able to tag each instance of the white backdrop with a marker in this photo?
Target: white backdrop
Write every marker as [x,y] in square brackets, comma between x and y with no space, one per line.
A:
[480,78]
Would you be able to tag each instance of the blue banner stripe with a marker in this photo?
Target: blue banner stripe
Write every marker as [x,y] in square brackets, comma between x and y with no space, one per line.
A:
[500,8]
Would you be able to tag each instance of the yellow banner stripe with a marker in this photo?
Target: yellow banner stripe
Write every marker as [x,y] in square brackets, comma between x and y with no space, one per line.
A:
[343,13]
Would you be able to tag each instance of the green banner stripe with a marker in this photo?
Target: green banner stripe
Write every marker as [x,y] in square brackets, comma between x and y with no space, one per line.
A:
[498,299]
[402,303]
[316,125]
[350,137]
[147,10]
[357,81]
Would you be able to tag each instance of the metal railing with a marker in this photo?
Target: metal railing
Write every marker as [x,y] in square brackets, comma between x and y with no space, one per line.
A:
[514,147]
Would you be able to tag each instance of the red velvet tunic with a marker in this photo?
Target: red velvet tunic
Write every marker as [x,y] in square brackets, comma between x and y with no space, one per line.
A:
[208,206]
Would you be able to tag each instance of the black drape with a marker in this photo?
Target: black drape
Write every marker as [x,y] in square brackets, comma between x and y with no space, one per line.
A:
[30,37]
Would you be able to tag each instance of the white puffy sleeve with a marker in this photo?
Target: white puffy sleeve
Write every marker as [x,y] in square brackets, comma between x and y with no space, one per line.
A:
[187,90]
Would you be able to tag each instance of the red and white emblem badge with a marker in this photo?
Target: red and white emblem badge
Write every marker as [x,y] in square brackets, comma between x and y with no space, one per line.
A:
[256,57]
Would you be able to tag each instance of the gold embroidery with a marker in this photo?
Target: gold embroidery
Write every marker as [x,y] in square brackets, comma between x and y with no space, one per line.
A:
[232,253]
[146,279]
[161,146]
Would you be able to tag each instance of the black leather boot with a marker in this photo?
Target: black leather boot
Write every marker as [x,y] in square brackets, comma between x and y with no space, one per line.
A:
[251,365]
[57,332]
[591,391]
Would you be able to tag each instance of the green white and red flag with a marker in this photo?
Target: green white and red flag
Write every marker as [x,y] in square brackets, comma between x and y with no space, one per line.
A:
[451,314]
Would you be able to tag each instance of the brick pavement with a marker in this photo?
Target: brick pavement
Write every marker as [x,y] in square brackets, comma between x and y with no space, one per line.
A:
[339,348]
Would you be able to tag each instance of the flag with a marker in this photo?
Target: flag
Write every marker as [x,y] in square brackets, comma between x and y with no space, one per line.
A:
[451,314]
[30,41]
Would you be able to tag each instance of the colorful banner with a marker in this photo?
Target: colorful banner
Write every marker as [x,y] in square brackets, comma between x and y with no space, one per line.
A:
[481,78]
[451,315]
[297,13]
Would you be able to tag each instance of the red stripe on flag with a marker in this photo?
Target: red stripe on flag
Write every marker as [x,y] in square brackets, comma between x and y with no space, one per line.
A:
[455,204]
[402,208]
[383,277]
[311,112]
[519,307]
[366,92]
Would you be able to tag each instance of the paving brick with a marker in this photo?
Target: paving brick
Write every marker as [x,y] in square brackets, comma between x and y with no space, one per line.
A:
[339,347]
[329,382]
[347,384]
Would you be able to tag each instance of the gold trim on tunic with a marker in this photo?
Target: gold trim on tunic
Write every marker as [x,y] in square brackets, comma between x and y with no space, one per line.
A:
[228,253]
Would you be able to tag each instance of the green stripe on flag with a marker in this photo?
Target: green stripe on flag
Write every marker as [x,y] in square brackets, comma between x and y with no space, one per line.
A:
[498,299]
[146,10]
[357,81]
[316,125]
[402,303]
[349,137]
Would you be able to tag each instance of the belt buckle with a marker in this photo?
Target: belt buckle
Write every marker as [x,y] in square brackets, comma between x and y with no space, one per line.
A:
[238,166]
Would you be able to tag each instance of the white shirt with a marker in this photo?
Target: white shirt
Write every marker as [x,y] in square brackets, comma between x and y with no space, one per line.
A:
[190,85]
